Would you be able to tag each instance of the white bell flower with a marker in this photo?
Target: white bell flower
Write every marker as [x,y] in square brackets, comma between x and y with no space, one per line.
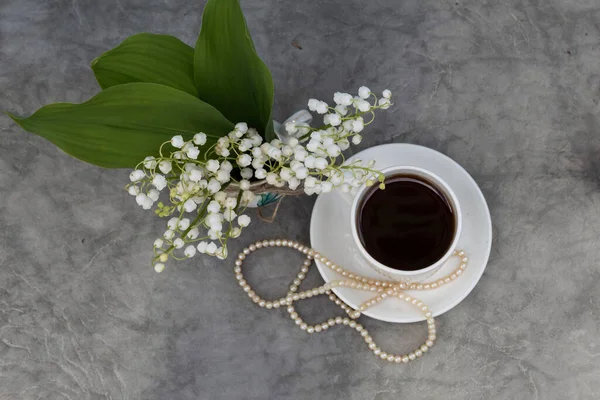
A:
[178,243]
[241,127]
[159,267]
[190,251]
[321,163]
[172,223]
[302,173]
[220,197]
[212,165]
[247,173]
[247,196]
[285,174]
[229,215]
[312,104]
[358,125]
[260,173]
[344,144]
[300,153]
[310,162]
[200,139]
[245,184]
[133,190]
[244,160]
[193,233]
[310,182]
[159,182]
[195,175]
[364,92]
[169,234]
[294,182]
[221,253]
[150,162]
[193,152]
[136,175]
[202,247]
[334,119]
[342,110]
[333,150]
[184,224]
[189,205]
[235,232]
[243,221]
[321,107]
[356,139]
[343,99]
[144,201]
[231,202]
[313,145]
[223,142]
[384,103]
[213,186]
[387,94]
[291,128]
[214,206]
[223,176]
[165,166]
[177,141]
[158,243]
[272,178]
[153,194]
[362,105]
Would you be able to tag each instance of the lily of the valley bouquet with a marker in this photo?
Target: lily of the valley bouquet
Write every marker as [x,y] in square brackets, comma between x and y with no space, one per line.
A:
[196,126]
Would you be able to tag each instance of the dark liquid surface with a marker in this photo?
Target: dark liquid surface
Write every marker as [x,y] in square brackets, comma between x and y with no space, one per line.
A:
[408,226]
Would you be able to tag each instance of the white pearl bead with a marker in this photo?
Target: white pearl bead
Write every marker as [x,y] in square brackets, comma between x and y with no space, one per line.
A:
[405,359]
[376,350]
[331,322]
[317,328]
[262,303]
[418,353]
[383,355]
[424,348]
[310,329]
[338,320]
[303,326]
[412,356]
[352,324]
[269,305]
[390,358]
[398,359]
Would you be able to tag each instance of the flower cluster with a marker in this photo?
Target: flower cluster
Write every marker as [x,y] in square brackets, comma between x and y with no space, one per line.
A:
[209,180]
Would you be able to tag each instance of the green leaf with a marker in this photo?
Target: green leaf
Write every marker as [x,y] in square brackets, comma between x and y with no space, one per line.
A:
[147,57]
[122,125]
[228,72]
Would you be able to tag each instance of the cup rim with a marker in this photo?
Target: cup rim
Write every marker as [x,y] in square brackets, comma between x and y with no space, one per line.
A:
[441,185]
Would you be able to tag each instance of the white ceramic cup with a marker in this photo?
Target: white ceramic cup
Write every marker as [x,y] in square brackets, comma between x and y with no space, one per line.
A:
[396,274]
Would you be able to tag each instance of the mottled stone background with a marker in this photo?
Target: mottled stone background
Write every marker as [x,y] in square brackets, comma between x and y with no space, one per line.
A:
[508,88]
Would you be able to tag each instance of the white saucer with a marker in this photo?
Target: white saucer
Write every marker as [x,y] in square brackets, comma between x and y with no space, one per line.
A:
[330,235]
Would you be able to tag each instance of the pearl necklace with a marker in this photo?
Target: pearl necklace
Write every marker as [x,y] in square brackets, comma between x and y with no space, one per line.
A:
[383,289]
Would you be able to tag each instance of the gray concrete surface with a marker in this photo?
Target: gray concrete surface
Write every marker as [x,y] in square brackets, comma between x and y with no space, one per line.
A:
[509,89]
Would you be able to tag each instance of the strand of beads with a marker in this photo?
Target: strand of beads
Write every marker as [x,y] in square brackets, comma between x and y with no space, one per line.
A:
[382,289]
